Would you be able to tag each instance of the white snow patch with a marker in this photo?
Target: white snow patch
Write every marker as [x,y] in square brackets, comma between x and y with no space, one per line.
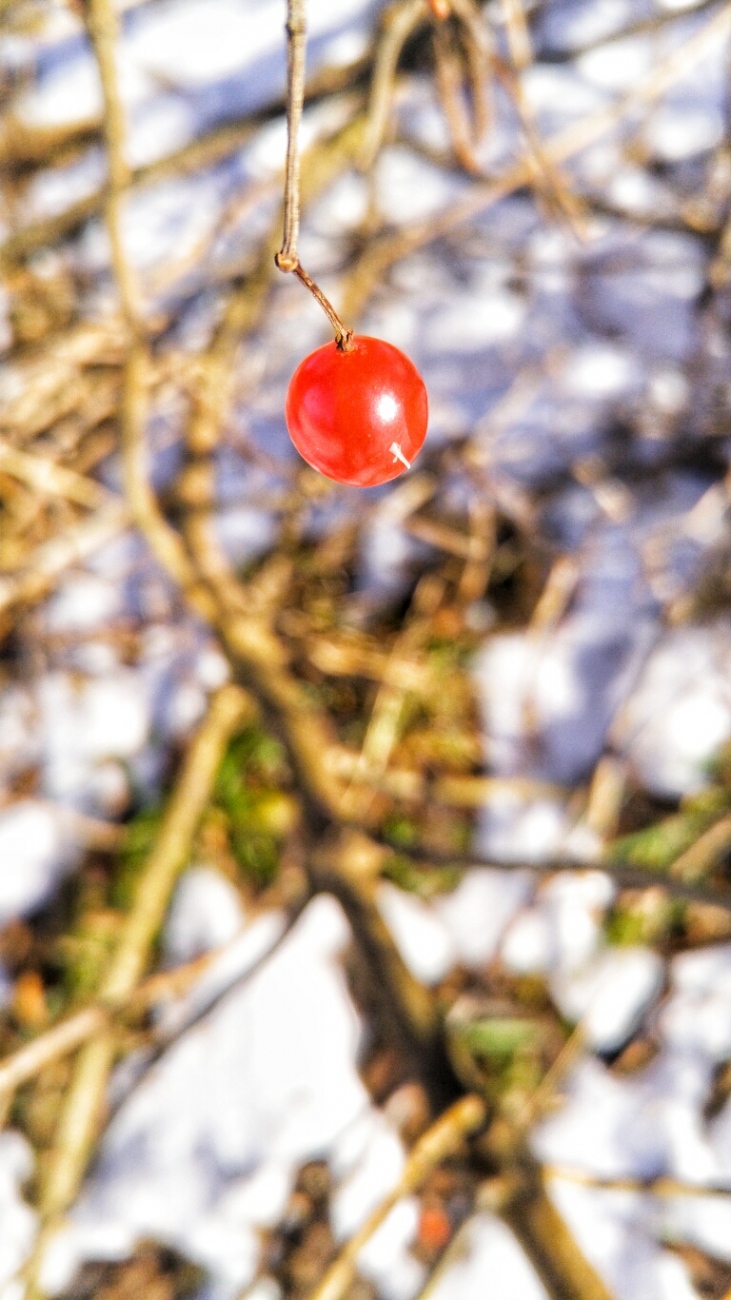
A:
[87,722]
[83,601]
[491,1264]
[34,852]
[698,1015]
[680,713]
[561,931]
[679,131]
[616,1232]
[422,937]
[410,189]
[17,1220]
[618,65]
[600,370]
[205,913]
[609,994]
[204,1150]
[513,828]
[478,911]
[490,319]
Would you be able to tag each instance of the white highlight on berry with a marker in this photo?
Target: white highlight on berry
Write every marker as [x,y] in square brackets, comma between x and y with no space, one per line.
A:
[397,454]
[387,408]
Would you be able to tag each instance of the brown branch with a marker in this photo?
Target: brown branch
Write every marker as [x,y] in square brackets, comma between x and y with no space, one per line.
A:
[287,258]
[164,541]
[548,1242]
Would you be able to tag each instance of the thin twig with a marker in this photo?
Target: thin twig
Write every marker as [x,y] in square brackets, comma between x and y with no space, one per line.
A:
[287,258]
[165,542]
[441,1140]
[45,476]
[448,74]
[52,558]
[103,25]
[398,24]
[371,267]
[516,27]
[343,335]
[663,1187]
[29,1060]
[467,131]
[555,189]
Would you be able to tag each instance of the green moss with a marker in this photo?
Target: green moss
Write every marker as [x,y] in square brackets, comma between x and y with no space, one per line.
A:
[425,882]
[258,814]
[400,830]
[253,755]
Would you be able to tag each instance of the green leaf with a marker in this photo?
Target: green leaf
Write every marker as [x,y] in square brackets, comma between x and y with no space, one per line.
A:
[657,847]
[501,1037]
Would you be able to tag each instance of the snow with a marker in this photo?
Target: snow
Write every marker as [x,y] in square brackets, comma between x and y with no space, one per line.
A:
[609,994]
[35,851]
[205,913]
[204,1150]
[17,1220]
[680,712]
[260,1068]
[491,1262]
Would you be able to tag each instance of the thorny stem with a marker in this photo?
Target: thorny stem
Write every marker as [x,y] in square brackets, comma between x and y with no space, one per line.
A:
[287,258]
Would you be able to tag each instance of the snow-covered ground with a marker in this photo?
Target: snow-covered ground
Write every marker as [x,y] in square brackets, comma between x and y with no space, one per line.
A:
[544,353]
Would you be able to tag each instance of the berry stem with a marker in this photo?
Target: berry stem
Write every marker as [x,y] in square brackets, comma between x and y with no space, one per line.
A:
[343,335]
[287,258]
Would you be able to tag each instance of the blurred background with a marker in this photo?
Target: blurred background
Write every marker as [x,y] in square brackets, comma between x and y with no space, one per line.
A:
[323,809]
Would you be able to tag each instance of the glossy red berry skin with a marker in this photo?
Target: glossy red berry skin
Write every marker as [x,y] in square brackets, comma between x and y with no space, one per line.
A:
[358,417]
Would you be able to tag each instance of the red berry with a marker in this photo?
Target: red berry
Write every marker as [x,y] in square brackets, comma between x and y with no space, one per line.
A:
[435,1228]
[358,417]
